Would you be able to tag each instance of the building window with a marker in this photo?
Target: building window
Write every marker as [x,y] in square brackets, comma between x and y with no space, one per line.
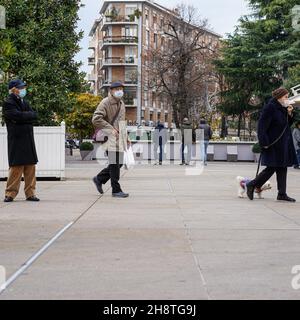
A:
[130,54]
[155,22]
[147,20]
[131,75]
[146,99]
[155,41]
[147,38]
[129,10]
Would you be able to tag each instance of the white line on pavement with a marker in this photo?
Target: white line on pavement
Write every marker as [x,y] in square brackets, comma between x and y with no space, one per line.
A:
[29,262]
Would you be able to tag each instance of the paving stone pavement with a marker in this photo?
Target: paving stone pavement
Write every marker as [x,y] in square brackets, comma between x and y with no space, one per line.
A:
[177,236]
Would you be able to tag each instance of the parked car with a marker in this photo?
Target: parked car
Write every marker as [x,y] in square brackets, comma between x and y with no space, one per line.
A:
[73,143]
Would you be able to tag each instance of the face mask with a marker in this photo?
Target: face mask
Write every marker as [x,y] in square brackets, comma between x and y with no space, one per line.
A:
[22,93]
[119,94]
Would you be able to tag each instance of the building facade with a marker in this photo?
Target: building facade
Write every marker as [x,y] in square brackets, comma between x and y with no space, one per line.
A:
[120,39]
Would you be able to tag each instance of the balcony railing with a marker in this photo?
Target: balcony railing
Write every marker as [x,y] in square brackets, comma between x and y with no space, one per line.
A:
[91,77]
[91,60]
[296,90]
[130,81]
[106,82]
[92,44]
[120,18]
[120,39]
[120,60]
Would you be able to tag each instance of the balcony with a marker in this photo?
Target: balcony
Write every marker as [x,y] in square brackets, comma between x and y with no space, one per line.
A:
[118,20]
[119,41]
[119,61]
[92,77]
[92,44]
[91,61]
[127,83]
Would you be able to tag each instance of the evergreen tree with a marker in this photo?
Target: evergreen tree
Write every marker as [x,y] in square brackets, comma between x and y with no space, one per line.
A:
[44,35]
[261,55]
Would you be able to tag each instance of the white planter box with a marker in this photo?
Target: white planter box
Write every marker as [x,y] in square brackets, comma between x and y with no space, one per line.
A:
[50,147]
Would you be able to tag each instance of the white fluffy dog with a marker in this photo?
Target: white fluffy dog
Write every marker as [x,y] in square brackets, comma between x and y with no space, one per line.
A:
[242,181]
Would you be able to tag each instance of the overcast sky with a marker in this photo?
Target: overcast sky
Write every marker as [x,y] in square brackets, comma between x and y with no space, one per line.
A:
[222,17]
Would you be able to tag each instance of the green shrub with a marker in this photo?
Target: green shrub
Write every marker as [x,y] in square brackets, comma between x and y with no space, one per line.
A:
[256,148]
[86,146]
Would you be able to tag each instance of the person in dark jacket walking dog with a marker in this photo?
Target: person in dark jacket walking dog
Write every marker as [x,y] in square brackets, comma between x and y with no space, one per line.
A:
[275,139]
[22,156]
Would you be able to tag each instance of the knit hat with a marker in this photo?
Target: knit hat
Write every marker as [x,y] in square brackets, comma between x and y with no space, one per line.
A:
[279,93]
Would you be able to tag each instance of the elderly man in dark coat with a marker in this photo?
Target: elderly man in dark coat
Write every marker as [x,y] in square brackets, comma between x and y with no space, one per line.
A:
[276,141]
[22,156]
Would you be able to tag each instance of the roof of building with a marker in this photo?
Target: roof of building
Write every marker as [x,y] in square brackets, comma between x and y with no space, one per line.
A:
[153,4]
[94,27]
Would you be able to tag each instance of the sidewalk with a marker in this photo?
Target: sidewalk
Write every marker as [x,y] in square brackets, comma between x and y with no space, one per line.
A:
[175,237]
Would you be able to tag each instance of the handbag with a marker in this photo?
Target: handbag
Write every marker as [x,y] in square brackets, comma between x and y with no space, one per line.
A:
[99,135]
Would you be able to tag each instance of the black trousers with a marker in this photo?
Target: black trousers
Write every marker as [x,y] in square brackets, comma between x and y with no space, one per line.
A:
[266,174]
[112,172]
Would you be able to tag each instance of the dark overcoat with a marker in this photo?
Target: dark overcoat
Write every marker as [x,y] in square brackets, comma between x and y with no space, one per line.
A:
[19,118]
[273,121]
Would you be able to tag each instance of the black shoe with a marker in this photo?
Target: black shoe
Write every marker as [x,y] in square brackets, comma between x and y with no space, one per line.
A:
[250,191]
[296,167]
[120,195]
[98,185]
[285,197]
[8,199]
[33,198]
[182,163]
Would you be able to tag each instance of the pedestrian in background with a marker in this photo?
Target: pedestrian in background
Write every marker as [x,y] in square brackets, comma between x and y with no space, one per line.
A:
[22,156]
[186,141]
[296,137]
[160,137]
[206,135]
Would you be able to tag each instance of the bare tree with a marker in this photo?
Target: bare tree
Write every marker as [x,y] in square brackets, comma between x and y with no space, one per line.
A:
[181,69]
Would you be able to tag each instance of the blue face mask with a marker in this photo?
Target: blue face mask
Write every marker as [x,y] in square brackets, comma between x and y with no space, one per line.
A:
[22,93]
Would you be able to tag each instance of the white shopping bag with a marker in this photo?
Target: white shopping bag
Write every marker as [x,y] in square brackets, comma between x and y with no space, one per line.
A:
[129,159]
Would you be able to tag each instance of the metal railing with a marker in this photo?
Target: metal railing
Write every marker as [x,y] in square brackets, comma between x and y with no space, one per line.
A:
[296,90]
[120,18]
[120,39]
[110,60]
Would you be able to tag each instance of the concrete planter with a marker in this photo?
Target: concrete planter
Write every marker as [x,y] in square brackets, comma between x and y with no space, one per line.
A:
[86,155]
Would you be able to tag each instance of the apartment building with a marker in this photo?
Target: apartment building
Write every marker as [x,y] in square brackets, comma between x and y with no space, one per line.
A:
[120,39]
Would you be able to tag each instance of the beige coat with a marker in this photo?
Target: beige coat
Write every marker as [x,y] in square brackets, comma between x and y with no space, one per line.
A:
[102,119]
